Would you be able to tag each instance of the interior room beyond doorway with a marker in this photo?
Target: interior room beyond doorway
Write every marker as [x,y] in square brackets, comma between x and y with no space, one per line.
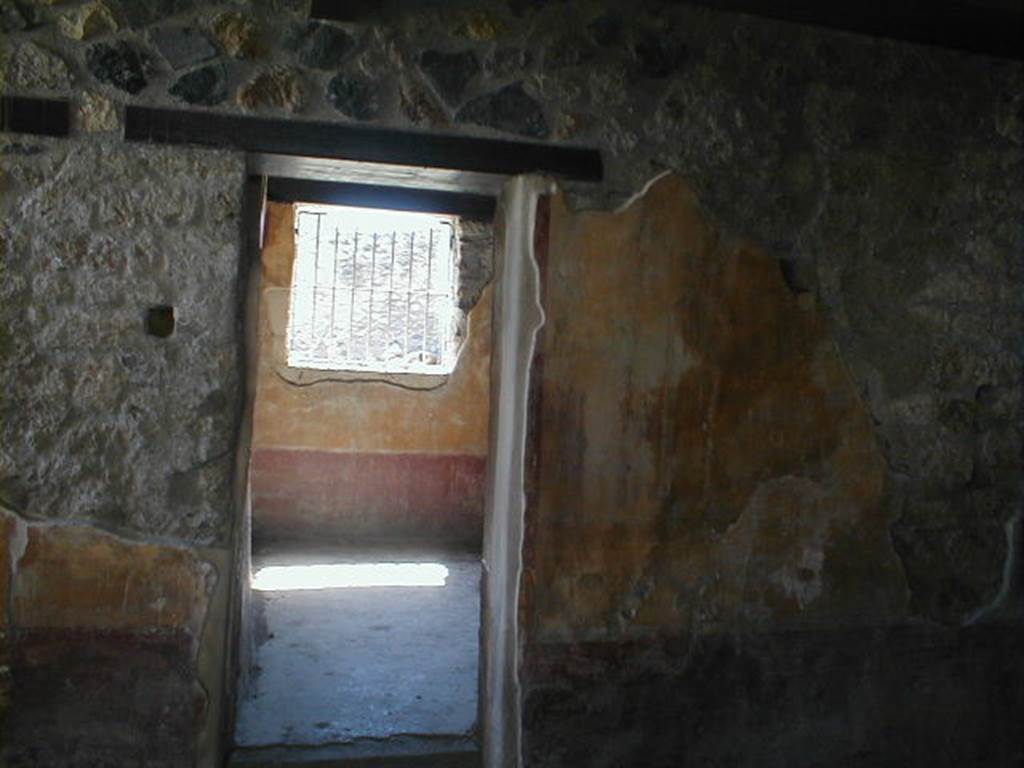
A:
[370,481]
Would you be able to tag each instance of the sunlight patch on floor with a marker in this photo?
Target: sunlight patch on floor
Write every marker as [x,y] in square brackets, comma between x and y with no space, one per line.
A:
[349,575]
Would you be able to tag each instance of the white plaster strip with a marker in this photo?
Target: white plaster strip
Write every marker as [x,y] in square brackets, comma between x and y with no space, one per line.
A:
[519,316]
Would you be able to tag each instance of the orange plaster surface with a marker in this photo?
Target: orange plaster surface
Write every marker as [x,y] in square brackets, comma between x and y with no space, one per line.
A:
[705,461]
[73,577]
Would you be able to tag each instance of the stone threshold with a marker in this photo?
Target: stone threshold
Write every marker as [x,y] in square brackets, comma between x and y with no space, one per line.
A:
[395,752]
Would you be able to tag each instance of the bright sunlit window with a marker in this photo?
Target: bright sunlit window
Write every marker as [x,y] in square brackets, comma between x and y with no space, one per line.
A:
[373,290]
[349,575]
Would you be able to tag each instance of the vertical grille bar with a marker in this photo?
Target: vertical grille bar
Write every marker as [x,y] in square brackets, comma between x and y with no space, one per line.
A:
[369,314]
[426,294]
[408,295]
[334,281]
[350,348]
[316,273]
[391,291]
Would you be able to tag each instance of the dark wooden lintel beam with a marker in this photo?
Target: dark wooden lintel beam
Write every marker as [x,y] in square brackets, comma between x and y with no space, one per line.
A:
[41,117]
[467,206]
[359,143]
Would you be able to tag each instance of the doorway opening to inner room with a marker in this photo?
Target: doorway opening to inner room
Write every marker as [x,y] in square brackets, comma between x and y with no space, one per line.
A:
[367,481]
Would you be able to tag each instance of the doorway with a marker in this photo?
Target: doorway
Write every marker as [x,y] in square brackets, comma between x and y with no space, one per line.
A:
[367,482]
[516,317]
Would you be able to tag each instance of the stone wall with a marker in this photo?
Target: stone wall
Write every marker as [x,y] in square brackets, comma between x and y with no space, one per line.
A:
[118,445]
[884,178]
[94,235]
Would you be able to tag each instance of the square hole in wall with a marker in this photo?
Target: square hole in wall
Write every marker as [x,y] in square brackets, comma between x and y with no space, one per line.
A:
[373,290]
[160,321]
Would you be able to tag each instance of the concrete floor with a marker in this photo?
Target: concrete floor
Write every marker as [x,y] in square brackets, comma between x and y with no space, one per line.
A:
[337,665]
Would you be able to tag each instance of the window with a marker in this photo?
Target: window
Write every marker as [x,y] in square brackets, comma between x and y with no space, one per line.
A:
[373,291]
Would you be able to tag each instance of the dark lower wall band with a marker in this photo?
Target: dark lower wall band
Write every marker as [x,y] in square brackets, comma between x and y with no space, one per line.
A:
[468,206]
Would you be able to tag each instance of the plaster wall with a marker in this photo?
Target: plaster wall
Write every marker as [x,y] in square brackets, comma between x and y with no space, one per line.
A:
[704,460]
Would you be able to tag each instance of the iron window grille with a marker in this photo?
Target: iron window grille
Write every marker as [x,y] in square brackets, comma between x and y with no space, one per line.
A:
[373,291]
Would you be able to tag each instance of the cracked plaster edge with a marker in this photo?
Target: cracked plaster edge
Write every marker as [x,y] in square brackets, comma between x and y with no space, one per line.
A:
[121,535]
[1008,604]
[212,648]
